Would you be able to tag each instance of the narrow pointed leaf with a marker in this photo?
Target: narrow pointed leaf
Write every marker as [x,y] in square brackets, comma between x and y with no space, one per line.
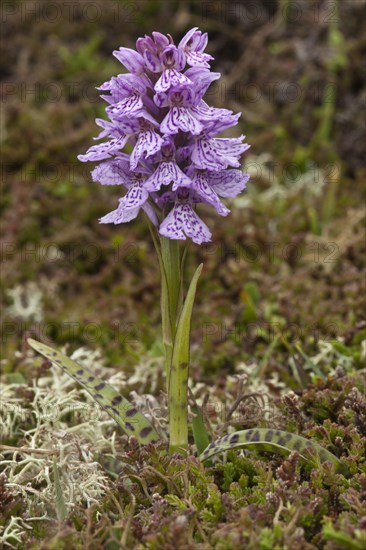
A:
[275,441]
[118,407]
[178,380]
[200,433]
[61,508]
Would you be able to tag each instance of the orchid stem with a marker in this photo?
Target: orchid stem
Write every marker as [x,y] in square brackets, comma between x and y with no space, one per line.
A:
[170,298]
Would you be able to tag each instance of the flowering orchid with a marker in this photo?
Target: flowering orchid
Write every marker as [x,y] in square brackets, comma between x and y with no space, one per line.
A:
[177,161]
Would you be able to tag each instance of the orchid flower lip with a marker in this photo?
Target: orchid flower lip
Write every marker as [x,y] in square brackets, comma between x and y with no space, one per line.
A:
[178,158]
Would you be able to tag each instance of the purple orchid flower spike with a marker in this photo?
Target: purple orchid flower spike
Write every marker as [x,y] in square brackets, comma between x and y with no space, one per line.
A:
[177,160]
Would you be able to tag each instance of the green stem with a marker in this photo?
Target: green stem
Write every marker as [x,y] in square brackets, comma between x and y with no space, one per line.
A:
[176,320]
[170,296]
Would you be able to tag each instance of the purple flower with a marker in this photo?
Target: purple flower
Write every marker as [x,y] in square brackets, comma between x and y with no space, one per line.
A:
[193,44]
[176,159]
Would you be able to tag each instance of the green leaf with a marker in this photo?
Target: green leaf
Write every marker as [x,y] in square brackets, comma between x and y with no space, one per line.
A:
[118,407]
[200,434]
[178,379]
[275,441]
[61,508]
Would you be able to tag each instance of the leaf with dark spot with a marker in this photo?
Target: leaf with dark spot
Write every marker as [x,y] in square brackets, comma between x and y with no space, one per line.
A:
[118,407]
[275,441]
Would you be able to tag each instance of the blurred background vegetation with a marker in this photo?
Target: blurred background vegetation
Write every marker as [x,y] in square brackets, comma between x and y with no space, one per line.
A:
[286,267]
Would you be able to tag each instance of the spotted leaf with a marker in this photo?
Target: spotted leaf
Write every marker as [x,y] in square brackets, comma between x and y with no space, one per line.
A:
[275,441]
[118,407]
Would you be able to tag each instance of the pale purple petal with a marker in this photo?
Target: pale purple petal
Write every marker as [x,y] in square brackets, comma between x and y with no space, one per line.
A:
[109,129]
[182,95]
[125,107]
[128,84]
[123,85]
[180,118]
[112,172]
[228,183]
[160,40]
[193,43]
[171,227]
[198,59]
[103,150]
[223,123]
[145,43]
[218,153]
[221,114]
[148,143]
[161,100]
[131,59]
[136,196]
[120,216]
[207,194]
[187,37]
[181,221]
[169,78]
[152,62]
[133,124]
[201,42]
[202,78]
[166,173]
[205,113]
[150,213]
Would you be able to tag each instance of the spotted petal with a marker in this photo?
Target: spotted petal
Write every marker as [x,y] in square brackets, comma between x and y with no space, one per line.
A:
[113,172]
[218,153]
[228,183]
[198,59]
[205,113]
[126,106]
[103,150]
[204,190]
[194,42]
[166,173]
[148,143]
[169,78]
[181,221]
[181,118]
[109,129]
[129,205]
[136,196]
[120,216]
